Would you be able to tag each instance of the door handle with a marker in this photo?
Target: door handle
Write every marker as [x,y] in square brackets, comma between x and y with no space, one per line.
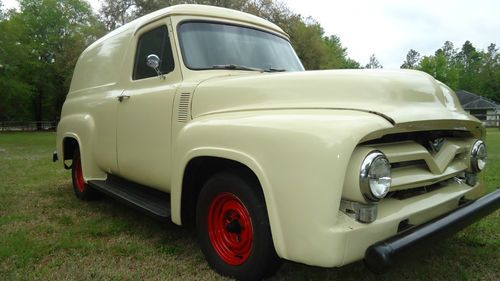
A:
[123,97]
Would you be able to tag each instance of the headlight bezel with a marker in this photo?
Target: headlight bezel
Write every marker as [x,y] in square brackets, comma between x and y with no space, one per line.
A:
[477,148]
[364,176]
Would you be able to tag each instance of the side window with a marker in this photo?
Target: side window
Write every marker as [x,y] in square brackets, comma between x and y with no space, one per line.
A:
[155,42]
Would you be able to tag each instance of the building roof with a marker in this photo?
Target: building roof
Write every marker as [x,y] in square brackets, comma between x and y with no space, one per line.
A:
[473,101]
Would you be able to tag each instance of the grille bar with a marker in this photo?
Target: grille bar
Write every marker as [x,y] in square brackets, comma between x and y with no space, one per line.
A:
[436,162]
[416,165]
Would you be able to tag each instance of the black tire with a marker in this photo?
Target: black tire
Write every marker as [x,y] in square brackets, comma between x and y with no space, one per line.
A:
[82,190]
[243,194]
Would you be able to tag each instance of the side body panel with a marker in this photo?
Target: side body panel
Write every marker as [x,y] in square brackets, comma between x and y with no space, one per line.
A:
[89,112]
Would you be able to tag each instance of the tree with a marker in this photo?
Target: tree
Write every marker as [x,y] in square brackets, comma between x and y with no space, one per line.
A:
[412,60]
[442,65]
[452,73]
[337,55]
[470,62]
[116,13]
[41,43]
[489,76]
[2,13]
[16,91]
[466,68]
[307,38]
[373,63]
[449,51]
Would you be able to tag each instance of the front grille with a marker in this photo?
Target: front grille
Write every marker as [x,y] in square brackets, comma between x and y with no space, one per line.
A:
[408,193]
[418,167]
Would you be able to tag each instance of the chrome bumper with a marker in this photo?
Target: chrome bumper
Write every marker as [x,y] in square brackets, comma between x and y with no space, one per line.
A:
[380,256]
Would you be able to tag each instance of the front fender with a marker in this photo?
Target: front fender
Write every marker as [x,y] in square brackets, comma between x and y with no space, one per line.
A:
[300,158]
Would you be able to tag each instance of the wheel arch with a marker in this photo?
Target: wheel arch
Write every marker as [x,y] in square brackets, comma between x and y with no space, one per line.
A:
[205,162]
[79,130]
[198,170]
[69,144]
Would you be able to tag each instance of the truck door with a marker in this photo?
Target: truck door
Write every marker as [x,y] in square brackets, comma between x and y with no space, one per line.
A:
[145,108]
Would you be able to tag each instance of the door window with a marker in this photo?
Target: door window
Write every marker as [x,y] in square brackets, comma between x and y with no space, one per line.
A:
[154,42]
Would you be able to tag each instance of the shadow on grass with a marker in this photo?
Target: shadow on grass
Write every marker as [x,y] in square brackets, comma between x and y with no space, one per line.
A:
[136,223]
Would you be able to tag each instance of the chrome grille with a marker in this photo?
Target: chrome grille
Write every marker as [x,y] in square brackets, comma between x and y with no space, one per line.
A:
[416,165]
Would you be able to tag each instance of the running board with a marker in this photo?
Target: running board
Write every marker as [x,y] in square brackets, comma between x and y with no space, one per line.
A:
[143,198]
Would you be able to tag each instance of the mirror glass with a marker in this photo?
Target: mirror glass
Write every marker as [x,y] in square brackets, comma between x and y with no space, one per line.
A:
[153,61]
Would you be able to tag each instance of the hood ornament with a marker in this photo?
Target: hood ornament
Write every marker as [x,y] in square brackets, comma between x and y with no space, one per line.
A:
[436,144]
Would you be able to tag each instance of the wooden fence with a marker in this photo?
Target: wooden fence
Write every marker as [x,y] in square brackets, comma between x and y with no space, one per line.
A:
[489,120]
[27,126]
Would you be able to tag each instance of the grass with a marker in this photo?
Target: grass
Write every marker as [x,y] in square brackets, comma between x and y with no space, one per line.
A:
[47,234]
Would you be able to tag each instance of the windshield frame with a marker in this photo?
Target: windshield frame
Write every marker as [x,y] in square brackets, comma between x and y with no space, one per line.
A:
[181,44]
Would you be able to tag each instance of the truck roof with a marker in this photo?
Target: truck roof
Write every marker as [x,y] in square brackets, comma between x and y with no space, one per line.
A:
[194,10]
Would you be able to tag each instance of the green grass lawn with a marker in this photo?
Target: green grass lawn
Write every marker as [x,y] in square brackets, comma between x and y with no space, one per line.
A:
[47,234]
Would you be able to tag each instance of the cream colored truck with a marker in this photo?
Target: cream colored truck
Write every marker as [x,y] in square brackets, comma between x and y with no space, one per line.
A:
[206,115]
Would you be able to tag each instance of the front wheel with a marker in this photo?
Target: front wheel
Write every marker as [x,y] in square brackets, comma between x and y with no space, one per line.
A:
[233,228]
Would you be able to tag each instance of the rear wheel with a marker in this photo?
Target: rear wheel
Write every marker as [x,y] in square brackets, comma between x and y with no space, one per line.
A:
[233,228]
[82,190]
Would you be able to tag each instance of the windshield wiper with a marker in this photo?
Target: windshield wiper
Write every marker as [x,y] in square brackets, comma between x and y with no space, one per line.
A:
[242,67]
[275,70]
[236,67]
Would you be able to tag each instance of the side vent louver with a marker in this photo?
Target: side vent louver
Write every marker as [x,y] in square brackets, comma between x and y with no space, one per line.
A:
[184,103]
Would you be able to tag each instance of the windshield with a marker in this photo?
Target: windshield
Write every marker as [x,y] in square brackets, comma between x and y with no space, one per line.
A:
[208,45]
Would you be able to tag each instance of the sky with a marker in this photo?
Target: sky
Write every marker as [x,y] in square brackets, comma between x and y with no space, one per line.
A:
[390,28]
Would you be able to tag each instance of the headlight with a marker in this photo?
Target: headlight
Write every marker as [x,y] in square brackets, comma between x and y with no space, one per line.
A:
[479,156]
[375,176]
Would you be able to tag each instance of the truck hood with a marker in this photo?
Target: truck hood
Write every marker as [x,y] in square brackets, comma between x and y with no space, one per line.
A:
[399,96]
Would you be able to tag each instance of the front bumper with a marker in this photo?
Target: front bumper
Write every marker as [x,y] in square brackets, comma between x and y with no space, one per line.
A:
[380,256]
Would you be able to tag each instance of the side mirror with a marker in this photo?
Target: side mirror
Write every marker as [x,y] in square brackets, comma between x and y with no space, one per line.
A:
[153,61]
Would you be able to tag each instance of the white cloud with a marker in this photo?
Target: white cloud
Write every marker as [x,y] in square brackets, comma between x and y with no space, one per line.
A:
[8,4]
[390,28]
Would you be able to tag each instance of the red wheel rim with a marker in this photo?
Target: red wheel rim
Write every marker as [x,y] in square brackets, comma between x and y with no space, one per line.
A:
[230,228]
[80,182]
